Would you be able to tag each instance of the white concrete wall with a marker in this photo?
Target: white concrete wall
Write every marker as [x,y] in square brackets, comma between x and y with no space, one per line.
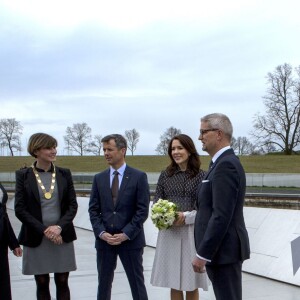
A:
[270,231]
[272,179]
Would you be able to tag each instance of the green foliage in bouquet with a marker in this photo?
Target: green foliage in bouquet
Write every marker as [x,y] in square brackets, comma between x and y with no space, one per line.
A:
[163,214]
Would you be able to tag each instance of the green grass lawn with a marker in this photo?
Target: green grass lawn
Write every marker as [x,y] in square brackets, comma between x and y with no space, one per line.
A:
[153,163]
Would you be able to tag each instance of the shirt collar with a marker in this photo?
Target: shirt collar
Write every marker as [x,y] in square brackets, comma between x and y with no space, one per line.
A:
[219,153]
[121,170]
[41,170]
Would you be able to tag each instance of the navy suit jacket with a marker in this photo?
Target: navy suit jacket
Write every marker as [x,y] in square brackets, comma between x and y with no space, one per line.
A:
[129,213]
[28,206]
[220,231]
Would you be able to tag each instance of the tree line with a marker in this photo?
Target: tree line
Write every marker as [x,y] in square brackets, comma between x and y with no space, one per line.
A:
[276,130]
[78,138]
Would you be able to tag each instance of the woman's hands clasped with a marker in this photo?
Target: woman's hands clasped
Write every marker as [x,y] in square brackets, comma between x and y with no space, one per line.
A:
[53,234]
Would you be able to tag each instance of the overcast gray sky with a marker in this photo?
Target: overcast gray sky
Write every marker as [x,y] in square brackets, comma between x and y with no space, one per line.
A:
[148,65]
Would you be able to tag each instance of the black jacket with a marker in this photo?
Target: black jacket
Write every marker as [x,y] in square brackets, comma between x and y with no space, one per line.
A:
[7,239]
[28,206]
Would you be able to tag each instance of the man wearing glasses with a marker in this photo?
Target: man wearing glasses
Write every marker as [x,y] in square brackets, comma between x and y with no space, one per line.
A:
[221,238]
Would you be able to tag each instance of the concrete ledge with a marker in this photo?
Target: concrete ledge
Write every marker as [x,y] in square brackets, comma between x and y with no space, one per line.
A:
[253,179]
[270,231]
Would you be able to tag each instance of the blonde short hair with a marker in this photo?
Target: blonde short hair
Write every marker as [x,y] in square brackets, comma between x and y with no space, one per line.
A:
[40,141]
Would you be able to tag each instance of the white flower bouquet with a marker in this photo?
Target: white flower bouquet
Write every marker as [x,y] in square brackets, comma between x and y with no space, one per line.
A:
[163,214]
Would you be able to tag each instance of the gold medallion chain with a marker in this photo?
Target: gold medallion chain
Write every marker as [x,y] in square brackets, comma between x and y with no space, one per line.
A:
[47,195]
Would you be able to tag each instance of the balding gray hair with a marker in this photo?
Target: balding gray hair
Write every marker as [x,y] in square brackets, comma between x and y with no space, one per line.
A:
[219,121]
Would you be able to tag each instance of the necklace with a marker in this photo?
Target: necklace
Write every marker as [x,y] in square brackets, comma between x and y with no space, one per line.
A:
[47,195]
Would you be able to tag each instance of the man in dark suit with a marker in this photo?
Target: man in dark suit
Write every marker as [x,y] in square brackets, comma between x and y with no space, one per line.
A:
[221,237]
[118,207]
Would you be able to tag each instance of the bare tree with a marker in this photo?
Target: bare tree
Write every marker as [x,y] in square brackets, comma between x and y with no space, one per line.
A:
[268,148]
[242,146]
[10,131]
[96,145]
[165,138]
[78,138]
[132,137]
[280,126]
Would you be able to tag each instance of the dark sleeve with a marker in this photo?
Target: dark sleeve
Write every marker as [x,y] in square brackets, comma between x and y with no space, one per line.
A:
[133,228]
[1,223]
[69,204]
[12,240]
[6,231]
[22,206]
[95,209]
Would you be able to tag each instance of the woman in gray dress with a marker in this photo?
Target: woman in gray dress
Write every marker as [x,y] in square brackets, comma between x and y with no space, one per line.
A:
[175,248]
[45,203]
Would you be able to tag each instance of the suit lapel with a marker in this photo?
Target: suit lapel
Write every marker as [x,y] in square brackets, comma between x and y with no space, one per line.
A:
[33,184]
[125,180]
[59,182]
[4,200]
[209,170]
[227,152]
[106,186]
[107,182]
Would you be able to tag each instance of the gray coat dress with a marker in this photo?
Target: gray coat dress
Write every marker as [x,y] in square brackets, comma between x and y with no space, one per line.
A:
[175,247]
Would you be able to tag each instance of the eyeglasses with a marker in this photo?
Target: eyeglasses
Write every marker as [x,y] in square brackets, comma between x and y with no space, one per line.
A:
[204,131]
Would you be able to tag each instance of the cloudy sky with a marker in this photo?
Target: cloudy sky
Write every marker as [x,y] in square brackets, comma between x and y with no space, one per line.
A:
[148,65]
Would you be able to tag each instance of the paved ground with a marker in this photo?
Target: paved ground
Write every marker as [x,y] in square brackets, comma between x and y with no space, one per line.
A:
[83,282]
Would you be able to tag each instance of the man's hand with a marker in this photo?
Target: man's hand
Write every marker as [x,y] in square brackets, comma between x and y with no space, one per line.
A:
[115,239]
[199,265]
[18,252]
[121,237]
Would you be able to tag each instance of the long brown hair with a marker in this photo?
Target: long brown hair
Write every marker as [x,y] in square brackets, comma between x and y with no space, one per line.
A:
[194,163]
